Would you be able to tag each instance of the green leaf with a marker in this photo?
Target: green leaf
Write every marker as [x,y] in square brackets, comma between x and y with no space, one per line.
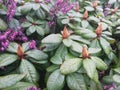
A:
[105,45]
[84,23]
[49,46]
[93,19]
[9,80]
[14,23]
[65,21]
[29,70]
[59,55]
[94,51]
[55,81]
[76,82]
[37,54]
[7,59]
[117,70]
[35,6]
[3,25]
[77,47]
[90,67]
[12,47]
[70,66]
[116,78]
[95,44]
[20,86]
[30,30]
[40,30]
[99,63]
[26,24]
[79,39]
[25,46]
[52,68]
[67,42]
[95,86]
[53,38]
[89,8]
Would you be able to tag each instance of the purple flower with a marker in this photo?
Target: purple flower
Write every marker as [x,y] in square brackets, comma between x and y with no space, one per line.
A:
[33,88]
[107,9]
[4,43]
[11,8]
[61,6]
[32,44]
[109,87]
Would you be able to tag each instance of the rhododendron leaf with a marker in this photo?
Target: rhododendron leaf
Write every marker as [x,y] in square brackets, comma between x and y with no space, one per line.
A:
[3,25]
[89,8]
[94,51]
[49,47]
[30,30]
[93,19]
[77,47]
[99,63]
[76,82]
[9,80]
[29,70]
[20,86]
[26,24]
[90,67]
[25,46]
[36,54]
[59,55]
[65,21]
[70,66]
[84,23]
[105,45]
[67,42]
[12,47]
[79,39]
[55,81]
[40,31]
[52,68]
[53,39]
[116,78]
[7,59]
[95,44]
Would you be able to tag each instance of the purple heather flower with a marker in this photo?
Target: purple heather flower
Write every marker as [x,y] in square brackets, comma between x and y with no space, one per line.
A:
[11,8]
[107,9]
[109,87]
[32,44]
[33,88]
[51,23]
[61,6]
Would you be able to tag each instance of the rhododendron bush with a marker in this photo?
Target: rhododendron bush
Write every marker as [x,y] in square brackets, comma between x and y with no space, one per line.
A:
[59,44]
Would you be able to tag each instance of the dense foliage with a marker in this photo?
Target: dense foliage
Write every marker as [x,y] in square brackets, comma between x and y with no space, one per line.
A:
[59,45]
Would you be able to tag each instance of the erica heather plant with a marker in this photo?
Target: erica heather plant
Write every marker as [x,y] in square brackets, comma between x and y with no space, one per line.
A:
[11,8]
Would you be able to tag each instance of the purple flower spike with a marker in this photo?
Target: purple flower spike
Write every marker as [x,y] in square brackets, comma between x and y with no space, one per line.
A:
[33,88]
[32,44]
[11,8]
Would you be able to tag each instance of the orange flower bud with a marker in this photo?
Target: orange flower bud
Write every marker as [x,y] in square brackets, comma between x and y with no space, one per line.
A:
[65,33]
[85,15]
[99,29]
[95,4]
[85,53]
[77,7]
[20,51]
[115,10]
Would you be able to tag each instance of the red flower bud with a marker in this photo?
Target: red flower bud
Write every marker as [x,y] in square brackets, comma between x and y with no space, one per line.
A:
[95,4]
[20,52]
[65,33]
[85,15]
[77,7]
[85,53]
[115,10]
[99,30]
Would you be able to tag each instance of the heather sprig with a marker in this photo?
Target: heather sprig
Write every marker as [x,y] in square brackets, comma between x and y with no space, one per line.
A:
[11,9]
